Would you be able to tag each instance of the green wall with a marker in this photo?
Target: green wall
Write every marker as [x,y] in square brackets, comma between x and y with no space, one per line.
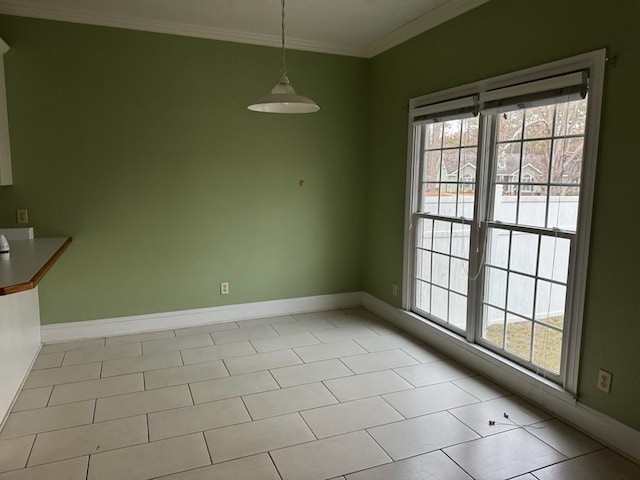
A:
[499,37]
[140,147]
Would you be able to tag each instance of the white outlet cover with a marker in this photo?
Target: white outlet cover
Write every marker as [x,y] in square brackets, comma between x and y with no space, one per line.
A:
[604,381]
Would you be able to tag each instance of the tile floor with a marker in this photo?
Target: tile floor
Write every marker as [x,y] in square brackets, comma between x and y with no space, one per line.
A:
[338,394]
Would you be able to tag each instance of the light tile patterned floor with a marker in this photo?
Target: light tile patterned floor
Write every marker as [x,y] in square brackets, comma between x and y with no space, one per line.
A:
[321,395]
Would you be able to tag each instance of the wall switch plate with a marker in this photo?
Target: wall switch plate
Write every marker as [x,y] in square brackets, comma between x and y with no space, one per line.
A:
[224,288]
[394,289]
[22,216]
[604,381]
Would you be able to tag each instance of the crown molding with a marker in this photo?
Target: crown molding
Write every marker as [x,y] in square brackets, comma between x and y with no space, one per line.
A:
[440,14]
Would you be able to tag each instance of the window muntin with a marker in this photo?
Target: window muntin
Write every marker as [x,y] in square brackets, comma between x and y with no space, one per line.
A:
[541,150]
[449,157]
[442,265]
[525,287]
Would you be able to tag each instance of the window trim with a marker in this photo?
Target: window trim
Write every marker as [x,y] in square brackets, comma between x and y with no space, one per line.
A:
[594,63]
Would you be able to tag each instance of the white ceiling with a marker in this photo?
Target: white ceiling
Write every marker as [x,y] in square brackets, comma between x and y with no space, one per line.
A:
[360,28]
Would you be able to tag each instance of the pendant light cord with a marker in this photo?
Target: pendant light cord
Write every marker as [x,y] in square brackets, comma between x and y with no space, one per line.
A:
[283,68]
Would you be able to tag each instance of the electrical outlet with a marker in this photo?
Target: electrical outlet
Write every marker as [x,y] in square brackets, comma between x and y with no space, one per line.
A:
[224,288]
[394,289]
[22,216]
[604,381]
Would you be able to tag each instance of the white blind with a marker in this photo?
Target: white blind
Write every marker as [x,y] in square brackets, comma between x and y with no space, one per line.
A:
[571,86]
[464,107]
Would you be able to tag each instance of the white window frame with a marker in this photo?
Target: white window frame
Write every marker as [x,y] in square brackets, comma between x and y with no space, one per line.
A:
[594,62]
[6,176]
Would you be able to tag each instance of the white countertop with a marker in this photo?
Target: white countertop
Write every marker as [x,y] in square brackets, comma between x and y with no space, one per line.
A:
[28,263]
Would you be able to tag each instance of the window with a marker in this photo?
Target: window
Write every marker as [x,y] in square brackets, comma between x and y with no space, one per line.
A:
[498,211]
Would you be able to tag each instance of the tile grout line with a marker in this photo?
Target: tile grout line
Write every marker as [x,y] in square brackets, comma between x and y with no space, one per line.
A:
[456,463]
[366,431]
[394,408]
[274,464]
[206,444]
[299,412]
[347,366]
[33,443]
[87,467]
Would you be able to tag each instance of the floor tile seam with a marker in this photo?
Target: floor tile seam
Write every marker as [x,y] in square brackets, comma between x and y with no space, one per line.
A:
[306,442]
[234,459]
[48,396]
[193,402]
[365,396]
[182,434]
[87,454]
[243,339]
[347,366]
[362,429]
[381,369]
[280,387]
[275,465]
[167,367]
[61,383]
[440,410]
[442,383]
[296,411]
[142,340]
[470,393]
[362,346]
[95,398]
[26,461]
[98,378]
[304,420]
[206,444]
[348,375]
[566,459]
[70,427]
[182,382]
[224,365]
[456,463]
[439,382]
[268,450]
[26,467]
[178,349]
[417,359]
[450,412]
[392,407]
[22,413]
[244,404]
[146,413]
[366,431]
[142,444]
[101,360]
[191,406]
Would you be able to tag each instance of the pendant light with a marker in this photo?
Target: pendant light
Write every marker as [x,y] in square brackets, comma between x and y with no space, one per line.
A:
[283,98]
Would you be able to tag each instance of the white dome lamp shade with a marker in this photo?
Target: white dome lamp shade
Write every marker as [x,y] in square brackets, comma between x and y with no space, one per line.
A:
[283,98]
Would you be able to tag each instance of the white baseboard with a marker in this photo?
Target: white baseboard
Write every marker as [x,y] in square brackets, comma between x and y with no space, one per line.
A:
[61,332]
[547,395]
